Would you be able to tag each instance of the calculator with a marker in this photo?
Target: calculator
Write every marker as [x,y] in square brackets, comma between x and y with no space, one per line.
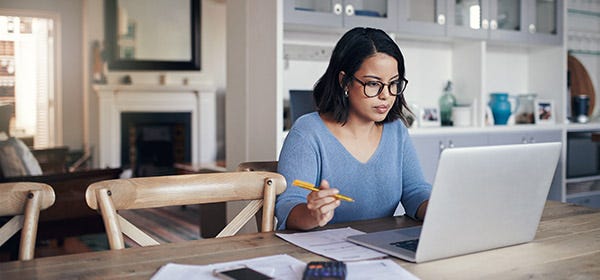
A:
[325,270]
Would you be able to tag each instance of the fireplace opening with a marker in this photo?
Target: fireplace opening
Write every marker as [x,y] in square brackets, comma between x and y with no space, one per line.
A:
[152,142]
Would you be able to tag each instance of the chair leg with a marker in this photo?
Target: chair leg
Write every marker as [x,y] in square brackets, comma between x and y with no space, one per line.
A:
[30,223]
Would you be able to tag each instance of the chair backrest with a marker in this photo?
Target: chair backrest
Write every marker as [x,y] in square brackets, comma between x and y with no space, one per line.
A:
[269,166]
[109,196]
[301,102]
[23,200]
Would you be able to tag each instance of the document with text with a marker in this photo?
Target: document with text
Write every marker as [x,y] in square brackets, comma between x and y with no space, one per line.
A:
[332,243]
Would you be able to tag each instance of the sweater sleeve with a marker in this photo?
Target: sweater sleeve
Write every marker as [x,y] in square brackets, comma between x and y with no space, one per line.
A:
[415,189]
[297,160]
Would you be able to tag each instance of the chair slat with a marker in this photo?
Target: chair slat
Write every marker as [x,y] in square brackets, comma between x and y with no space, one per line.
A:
[241,219]
[10,228]
[135,233]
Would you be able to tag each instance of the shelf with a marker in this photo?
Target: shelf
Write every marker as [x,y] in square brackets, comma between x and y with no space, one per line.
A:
[584,52]
[584,12]
[583,194]
[582,179]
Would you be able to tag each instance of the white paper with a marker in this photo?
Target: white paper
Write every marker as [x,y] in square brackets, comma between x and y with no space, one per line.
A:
[377,269]
[276,266]
[399,210]
[332,244]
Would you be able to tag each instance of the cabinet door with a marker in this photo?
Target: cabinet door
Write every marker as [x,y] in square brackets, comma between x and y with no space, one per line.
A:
[422,17]
[507,138]
[468,18]
[428,150]
[429,147]
[545,18]
[322,13]
[382,14]
[507,20]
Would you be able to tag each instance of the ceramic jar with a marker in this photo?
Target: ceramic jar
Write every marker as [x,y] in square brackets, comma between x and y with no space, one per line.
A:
[501,107]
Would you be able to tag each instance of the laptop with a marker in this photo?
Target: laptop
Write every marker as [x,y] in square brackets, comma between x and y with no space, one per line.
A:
[482,198]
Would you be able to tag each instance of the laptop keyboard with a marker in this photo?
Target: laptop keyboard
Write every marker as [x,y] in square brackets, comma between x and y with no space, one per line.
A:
[410,245]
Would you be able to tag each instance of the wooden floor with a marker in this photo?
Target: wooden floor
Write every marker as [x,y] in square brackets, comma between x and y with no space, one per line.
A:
[166,225]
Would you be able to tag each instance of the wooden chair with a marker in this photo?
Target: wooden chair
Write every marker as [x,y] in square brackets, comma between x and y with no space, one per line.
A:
[148,192]
[23,200]
[269,166]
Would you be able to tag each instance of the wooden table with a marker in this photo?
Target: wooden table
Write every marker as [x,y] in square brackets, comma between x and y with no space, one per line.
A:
[567,245]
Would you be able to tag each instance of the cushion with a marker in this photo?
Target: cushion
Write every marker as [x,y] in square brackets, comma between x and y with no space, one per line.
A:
[17,160]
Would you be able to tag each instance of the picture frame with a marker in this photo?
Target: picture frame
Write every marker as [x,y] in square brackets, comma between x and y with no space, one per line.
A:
[429,116]
[544,111]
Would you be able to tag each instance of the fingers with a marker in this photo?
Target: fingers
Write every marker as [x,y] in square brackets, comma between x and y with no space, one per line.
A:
[324,213]
[322,204]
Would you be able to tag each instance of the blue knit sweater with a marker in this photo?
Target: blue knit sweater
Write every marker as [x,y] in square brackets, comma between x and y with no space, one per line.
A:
[392,174]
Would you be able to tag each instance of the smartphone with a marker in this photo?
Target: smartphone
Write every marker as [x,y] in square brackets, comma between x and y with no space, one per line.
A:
[240,273]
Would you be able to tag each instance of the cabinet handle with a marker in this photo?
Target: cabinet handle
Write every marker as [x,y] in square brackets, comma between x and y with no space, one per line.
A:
[441,19]
[450,144]
[524,140]
[493,24]
[532,28]
[337,8]
[442,147]
[485,24]
[531,140]
[349,10]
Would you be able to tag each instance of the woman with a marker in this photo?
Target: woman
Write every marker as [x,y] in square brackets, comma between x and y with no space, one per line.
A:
[356,144]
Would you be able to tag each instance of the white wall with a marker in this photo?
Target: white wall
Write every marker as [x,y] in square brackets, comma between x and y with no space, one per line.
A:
[70,16]
[213,66]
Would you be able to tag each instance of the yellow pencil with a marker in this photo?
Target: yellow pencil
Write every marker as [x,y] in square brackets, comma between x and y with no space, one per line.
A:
[311,187]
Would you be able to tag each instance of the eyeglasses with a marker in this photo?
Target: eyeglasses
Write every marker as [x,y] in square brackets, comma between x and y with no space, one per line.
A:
[374,88]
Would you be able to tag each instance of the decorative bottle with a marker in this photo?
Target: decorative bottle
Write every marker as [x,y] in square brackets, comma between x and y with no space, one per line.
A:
[447,101]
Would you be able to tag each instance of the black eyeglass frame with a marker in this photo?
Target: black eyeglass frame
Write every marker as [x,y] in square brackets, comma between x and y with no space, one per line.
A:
[382,85]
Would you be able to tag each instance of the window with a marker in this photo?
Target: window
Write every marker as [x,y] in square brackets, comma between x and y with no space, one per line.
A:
[27,76]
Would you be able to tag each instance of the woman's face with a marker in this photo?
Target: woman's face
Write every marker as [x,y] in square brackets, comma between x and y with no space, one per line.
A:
[379,67]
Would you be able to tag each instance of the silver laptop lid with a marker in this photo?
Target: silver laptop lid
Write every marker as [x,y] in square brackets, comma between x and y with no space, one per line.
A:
[486,197]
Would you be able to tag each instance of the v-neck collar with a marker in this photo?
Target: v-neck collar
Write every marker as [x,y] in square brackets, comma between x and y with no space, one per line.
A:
[373,156]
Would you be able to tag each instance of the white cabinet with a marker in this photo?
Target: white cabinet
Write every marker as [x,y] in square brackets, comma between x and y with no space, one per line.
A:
[525,137]
[422,17]
[429,148]
[535,136]
[525,21]
[341,14]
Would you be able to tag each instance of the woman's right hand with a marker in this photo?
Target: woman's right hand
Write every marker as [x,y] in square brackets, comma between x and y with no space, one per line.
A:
[321,205]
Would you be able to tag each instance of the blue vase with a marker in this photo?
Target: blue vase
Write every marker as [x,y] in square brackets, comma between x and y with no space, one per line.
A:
[500,107]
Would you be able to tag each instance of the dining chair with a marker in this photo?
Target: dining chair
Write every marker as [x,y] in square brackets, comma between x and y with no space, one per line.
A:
[269,166]
[110,196]
[23,201]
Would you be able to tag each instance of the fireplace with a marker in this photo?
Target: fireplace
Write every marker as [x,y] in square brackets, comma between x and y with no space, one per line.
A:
[195,103]
[151,143]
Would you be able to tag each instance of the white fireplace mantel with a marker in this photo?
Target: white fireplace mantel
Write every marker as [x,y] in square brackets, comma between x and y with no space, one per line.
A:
[197,99]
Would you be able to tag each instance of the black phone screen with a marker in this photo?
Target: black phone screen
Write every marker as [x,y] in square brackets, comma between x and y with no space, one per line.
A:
[245,273]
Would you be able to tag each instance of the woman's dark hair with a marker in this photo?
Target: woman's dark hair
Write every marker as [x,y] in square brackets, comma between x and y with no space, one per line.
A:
[348,55]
